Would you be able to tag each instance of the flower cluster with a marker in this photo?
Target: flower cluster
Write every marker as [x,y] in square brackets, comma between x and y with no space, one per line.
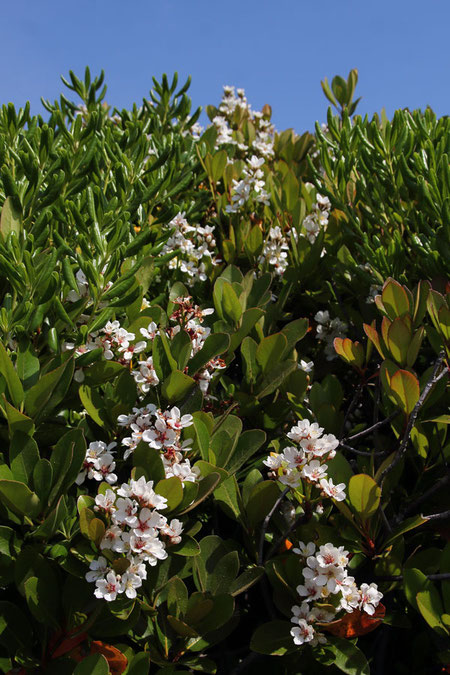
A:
[234,103]
[327,581]
[317,219]
[305,461]
[195,244]
[99,463]
[116,343]
[327,330]
[161,431]
[275,251]
[251,186]
[136,530]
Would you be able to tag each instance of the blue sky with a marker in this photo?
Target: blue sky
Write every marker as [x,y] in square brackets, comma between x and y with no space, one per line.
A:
[277,50]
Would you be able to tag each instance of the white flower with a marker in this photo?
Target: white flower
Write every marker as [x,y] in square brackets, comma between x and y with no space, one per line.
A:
[125,513]
[305,550]
[173,530]
[330,555]
[105,502]
[306,366]
[103,468]
[176,421]
[108,588]
[129,584]
[274,461]
[304,430]
[113,539]
[98,569]
[336,492]
[147,523]
[370,596]
[314,471]
[302,633]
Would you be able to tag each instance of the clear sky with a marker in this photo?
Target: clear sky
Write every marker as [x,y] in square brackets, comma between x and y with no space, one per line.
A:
[277,50]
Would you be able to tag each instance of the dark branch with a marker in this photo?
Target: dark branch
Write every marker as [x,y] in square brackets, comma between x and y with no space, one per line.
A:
[266,524]
[412,418]
[438,516]
[374,427]
[364,453]
[399,577]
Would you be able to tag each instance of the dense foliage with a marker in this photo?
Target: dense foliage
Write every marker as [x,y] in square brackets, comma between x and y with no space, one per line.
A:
[223,388]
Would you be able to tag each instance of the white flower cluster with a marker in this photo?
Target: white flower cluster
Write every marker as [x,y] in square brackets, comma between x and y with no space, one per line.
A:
[83,289]
[137,530]
[251,186]
[275,251]
[327,329]
[317,219]
[195,243]
[306,460]
[233,100]
[162,431]
[99,463]
[326,576]
[116,342]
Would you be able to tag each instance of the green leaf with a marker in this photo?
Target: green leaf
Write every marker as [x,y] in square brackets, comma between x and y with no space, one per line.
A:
[23,456]
[225,571]
[248,320]
[17,421]
[408,524]
[364,495]
[261,500]
[229,498]
[275,377]
[27,364]
[43,479]
[206,487]
[248,352]
[13,382]
[202,437]
[395,299]
[348,658]
[176,386]
[19,498]
[50,525]
[430,606]
[294,331]
[254,241]
[92,402]
[414,581]
[230,303]
[214,345]
[149,460]
[103,371]
[42,600]
[139,664]
[398,340]
[172,490]
[67,459]
[270,350]
[181,628]
[273,638]
[94,664]
[49,391]
[187,547]
[248,443]
[10,219]
[405,387]
[245,580]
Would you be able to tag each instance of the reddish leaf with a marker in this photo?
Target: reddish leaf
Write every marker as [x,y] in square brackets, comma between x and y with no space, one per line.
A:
[356,623]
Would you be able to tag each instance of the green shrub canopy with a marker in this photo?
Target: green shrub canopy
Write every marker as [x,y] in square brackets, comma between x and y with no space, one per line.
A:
[223,388]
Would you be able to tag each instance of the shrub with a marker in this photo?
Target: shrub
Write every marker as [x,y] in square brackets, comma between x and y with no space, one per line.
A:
[223,388]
